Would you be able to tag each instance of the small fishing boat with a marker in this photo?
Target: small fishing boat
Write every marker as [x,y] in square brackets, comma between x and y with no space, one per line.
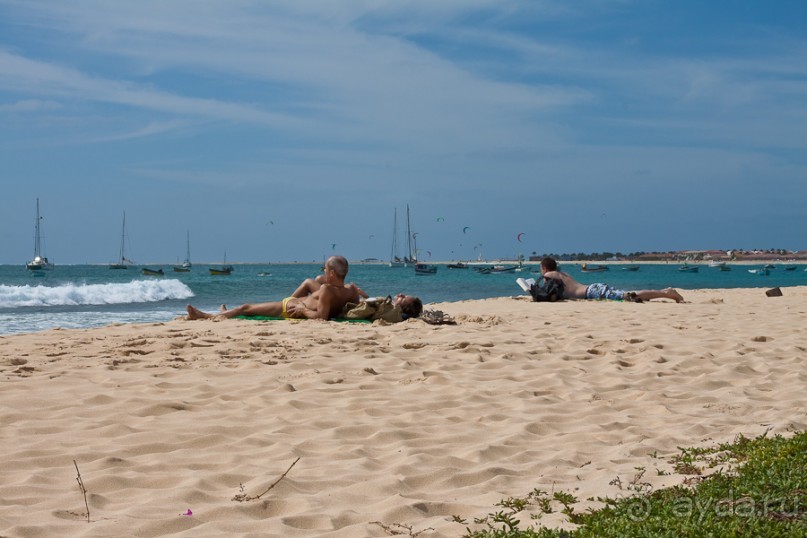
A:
[425,269]
[152,272]
[689,268]
[503,269]
[264,273]
[593,268]
[630,267]
[714,264]
[223,270]
[457,265]
[790,268]
[483,270]
[761,272]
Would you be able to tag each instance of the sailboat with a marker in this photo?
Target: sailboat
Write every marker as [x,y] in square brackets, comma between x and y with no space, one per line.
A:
[223,270]
[186,265]
[40,262]
[420,268]
[409,257]
[394,260]
[122,262]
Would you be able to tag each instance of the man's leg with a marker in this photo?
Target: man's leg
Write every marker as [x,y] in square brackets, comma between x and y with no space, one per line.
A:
[273,309]
[668,293]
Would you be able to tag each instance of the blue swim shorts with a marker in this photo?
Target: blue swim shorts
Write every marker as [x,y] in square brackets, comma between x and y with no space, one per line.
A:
[603,291]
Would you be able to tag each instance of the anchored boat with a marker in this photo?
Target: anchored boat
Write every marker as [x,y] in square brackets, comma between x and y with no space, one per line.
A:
[40,262]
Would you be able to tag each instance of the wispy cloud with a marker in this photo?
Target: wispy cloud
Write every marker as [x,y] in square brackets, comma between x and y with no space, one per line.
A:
[29,105]
[410,98]
[21,74]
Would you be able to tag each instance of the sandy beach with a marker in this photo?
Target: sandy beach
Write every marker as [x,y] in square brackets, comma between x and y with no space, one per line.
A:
[396,427]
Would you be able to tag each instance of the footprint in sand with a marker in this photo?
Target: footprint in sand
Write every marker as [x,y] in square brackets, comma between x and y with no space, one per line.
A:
[128,352]
[335,381]
[136,343]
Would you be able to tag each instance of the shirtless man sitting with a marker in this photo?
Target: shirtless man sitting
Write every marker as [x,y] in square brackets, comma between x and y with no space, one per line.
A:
[320,298]
[573,289]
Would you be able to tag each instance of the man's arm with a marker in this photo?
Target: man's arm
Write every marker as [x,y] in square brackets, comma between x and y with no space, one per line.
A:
[309,286]
[326,300]
[356,293]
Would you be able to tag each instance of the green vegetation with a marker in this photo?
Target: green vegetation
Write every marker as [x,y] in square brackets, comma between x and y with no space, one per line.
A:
[760,490]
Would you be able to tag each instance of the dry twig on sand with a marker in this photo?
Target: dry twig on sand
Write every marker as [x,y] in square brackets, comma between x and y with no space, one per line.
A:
[241,497]
[83,490]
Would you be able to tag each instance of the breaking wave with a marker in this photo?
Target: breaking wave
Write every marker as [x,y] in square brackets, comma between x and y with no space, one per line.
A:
[137,291]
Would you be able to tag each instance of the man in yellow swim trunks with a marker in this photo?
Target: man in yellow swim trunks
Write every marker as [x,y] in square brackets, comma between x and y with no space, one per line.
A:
[323,297]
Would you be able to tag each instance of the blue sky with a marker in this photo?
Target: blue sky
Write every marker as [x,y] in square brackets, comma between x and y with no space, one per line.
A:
[276,130]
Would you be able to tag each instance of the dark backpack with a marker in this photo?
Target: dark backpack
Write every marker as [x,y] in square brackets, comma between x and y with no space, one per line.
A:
[551,290]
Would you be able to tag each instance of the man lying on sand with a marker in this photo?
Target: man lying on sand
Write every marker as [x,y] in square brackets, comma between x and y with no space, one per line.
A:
[323,297]
[573,289]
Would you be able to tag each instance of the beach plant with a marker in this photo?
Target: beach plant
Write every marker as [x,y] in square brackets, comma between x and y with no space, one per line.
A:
[759,489]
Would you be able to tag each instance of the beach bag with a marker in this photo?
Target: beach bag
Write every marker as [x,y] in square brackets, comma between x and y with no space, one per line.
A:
[550,291]
[373,309]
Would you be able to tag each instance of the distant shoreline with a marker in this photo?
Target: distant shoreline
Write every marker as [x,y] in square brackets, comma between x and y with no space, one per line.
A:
[755,261]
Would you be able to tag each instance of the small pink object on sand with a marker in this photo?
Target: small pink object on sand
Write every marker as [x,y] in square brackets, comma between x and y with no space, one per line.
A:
[188,513]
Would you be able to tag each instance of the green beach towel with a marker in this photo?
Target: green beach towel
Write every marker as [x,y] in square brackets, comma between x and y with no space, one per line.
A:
[273,318]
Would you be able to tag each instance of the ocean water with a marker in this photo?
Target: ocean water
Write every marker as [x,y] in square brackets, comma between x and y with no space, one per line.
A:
[79,296]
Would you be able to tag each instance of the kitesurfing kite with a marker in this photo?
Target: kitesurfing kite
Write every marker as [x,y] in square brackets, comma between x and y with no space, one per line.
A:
[519,236]
[465,230]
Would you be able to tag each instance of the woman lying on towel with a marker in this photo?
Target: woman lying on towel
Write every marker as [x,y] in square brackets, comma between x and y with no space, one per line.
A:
[390,309]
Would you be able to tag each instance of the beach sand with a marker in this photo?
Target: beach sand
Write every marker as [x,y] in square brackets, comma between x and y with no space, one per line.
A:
[396,427]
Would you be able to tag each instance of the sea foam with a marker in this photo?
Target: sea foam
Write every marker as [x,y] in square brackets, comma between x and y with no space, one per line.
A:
[136,291]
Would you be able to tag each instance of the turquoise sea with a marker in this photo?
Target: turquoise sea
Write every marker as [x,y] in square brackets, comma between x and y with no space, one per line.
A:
[77,296]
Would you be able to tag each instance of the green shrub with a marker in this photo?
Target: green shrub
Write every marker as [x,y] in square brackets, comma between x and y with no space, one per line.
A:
[761,492]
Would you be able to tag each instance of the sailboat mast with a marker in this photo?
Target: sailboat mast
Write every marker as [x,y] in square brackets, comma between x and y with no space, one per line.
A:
[122,237]
[393,253]
[37,241]
[408,235]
